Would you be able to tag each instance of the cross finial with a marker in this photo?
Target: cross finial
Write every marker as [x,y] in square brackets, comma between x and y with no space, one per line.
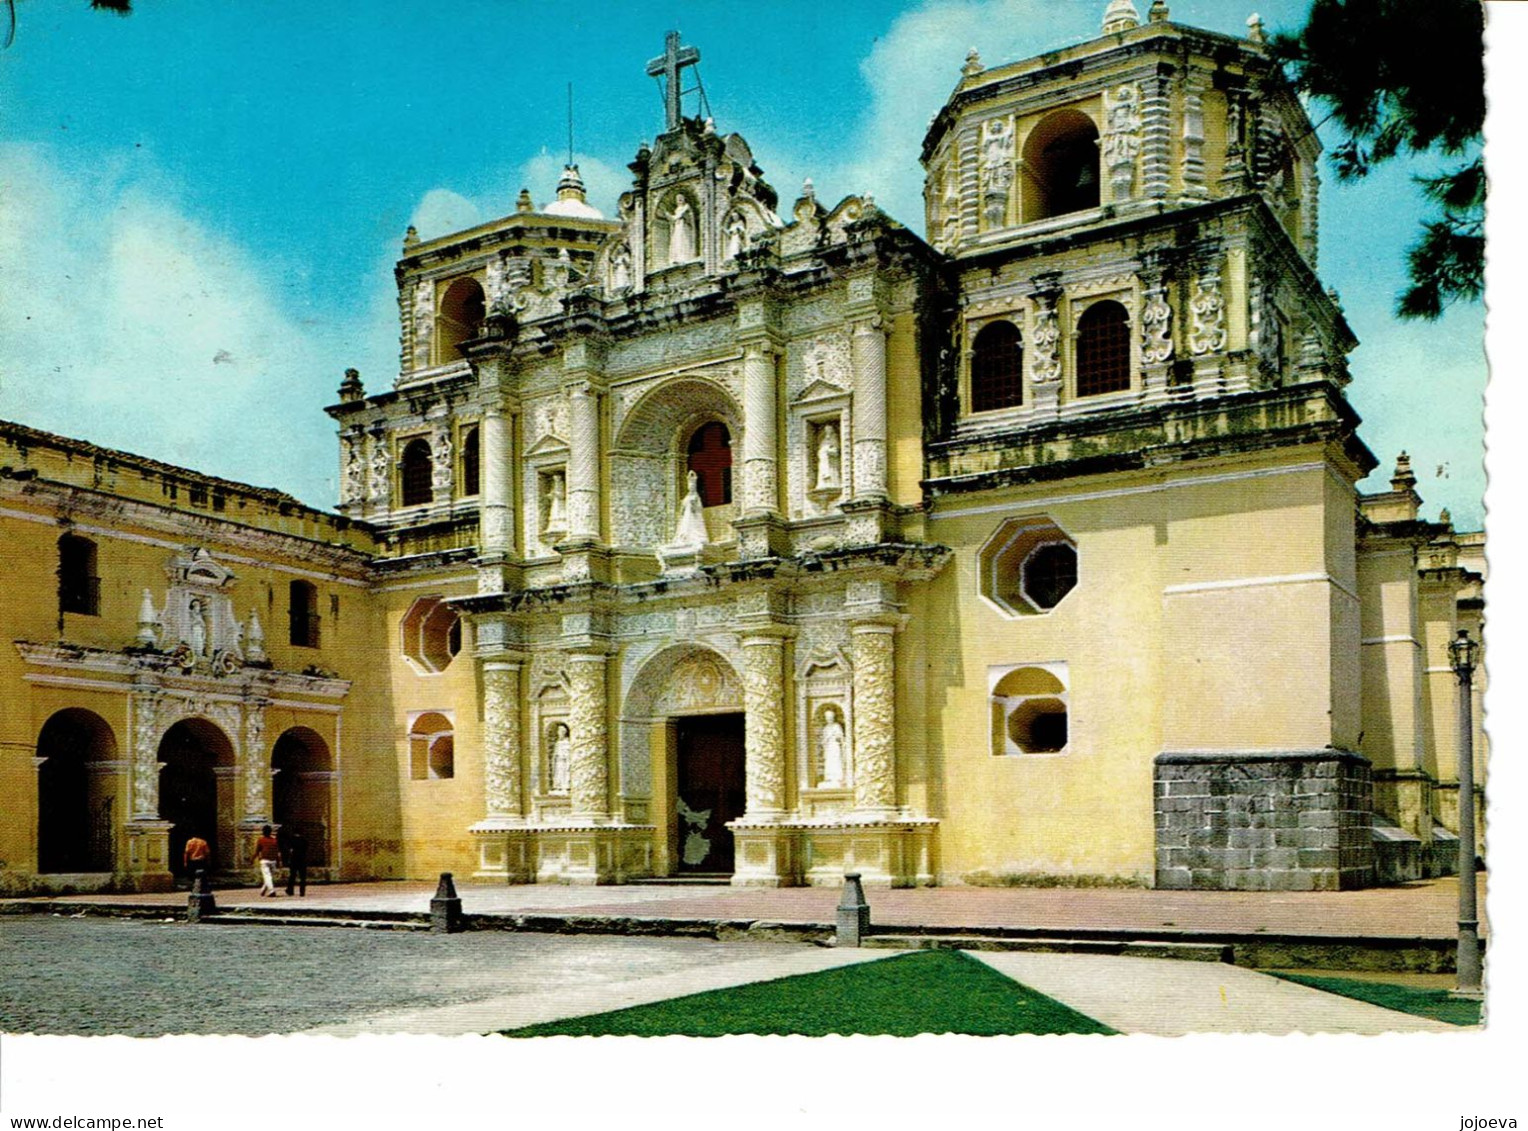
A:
[668,66]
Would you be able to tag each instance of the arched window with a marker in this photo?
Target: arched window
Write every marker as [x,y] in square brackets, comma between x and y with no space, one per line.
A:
[470,480]
[416,472]
[1061,161]
[432,747]
[997,367]
[79,589]
[710,458]
[302,609]
[1029,711]
[462,308]
[1103,349]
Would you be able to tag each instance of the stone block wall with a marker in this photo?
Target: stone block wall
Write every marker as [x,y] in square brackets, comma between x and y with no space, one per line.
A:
[1264,821]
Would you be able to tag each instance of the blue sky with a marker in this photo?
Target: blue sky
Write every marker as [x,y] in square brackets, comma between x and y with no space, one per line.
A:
[202,202]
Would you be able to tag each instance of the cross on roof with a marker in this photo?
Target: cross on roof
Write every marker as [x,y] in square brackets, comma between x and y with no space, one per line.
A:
[674,59]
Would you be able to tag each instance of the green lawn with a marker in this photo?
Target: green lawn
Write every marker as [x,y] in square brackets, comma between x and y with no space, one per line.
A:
[1436,1004]
[932,991]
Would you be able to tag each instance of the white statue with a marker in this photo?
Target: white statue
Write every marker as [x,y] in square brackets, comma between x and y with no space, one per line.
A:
[681,232]
[557,504]
[198,628]
[560,759]
[620,268]
[830,743]
[691,529]
[829,477]
[737,231]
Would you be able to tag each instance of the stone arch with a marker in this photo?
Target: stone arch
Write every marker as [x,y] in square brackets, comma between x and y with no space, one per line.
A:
[301,789]
[76,825]
[1061,166]
[462,309]
[197,789]
[649,461]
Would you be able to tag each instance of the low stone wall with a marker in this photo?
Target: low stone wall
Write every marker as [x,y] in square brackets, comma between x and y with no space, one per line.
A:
[1264,821]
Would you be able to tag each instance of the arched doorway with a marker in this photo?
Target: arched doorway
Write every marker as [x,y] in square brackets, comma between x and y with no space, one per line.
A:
[75,823]
[681,718]
[192,751]
[300,792]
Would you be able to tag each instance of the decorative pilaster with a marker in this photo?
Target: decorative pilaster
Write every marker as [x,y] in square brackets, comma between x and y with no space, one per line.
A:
[494,460]
[503,786]
[761,493]
[1156,129]
[868,350]
[589,732]
[1194,187]
[764,737]
[584,463]
[256,808]
[1045,354]
[144,803]
[875,770]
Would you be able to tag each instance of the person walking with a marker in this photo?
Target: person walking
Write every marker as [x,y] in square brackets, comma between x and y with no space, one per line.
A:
[196,857]
[296,853]
[268,856]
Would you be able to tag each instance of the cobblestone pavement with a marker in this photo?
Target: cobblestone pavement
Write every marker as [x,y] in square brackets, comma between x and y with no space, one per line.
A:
[66,975]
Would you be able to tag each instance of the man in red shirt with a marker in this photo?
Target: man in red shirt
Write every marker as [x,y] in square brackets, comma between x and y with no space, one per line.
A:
[196,857]
[268,856]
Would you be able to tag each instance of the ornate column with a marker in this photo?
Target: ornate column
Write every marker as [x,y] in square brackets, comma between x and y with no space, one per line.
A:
[147,836]
[494,460]
[761,492]
[873,646]
[589,732]
[868,351]
[256,805]
[584,462]
[503,774]
[144,802]
[764,734]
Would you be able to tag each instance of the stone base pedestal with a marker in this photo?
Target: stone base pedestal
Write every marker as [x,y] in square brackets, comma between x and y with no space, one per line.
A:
[591,854]
[148,855]
[766,856]
[504,853]
[1406,797]
[761,536]
[680,561]
[1298,820]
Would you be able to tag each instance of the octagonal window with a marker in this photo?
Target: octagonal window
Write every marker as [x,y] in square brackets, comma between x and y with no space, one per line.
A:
[432,634]
[1028,566]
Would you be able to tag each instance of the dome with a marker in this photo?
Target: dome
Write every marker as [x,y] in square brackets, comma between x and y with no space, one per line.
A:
[570,198]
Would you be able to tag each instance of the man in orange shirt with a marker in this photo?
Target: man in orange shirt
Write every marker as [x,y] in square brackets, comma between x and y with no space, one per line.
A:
[268,856]
[197,855]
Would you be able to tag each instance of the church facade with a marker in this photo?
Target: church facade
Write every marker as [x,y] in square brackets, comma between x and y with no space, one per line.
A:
[723,538]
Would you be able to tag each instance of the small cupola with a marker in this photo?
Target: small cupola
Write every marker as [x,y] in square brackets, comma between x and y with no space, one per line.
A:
[570,197]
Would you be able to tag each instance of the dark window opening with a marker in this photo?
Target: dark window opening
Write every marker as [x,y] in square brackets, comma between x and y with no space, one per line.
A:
[417,473]
[303,611]
[710,458]
[79,589]
[462,308]
[1050,574]
[470,480]
[1061,156]
[1103,350]
[997,367]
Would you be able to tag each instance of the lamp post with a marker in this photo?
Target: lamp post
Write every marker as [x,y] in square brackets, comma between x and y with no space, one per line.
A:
[1463,654]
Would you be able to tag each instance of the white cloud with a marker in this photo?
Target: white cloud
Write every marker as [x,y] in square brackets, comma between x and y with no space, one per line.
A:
[130,324]
[603,184]
[442,211]
[913,68]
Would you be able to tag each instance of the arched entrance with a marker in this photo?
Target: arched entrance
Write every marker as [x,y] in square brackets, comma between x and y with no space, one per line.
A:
[192,751]
[681,719]
[300,792]
[75,798]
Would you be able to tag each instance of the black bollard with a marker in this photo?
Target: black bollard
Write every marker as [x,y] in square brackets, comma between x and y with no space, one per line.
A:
[446,908]
[200,904]
[853,912]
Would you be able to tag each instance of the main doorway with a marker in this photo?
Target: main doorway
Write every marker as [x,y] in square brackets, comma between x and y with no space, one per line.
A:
[191,752]
[709,791]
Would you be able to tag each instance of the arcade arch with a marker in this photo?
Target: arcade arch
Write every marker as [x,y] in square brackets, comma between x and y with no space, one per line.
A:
[302,769]
[197,790]
[76,794]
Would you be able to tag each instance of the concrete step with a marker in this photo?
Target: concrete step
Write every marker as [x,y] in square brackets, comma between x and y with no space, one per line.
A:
[239,917]
[1188,951]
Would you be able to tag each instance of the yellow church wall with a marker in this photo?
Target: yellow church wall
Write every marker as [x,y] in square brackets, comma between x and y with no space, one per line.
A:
[904,412]
[1391,655]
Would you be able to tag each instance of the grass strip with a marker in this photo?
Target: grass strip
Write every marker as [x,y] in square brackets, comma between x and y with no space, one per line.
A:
[932,991]
[1437,1004]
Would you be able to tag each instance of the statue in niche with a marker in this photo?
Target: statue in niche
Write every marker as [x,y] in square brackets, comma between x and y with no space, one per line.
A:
[681,247]
[557,502]
[691,529]
[559,763]
[830,745]
[737,233]
[829,458]
[198,627]
[620,268]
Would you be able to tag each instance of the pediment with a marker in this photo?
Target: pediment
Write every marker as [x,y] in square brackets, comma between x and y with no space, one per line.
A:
[548,445]
[821,390]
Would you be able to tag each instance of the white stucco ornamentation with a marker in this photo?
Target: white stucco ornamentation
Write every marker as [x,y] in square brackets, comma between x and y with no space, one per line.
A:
[353,485]
[1045,350]
[875,769]
[501,738]
[1207,332]
[1121,141]
[764,737]
[996,170]
[590,775]
[1156,326]
[257,767]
